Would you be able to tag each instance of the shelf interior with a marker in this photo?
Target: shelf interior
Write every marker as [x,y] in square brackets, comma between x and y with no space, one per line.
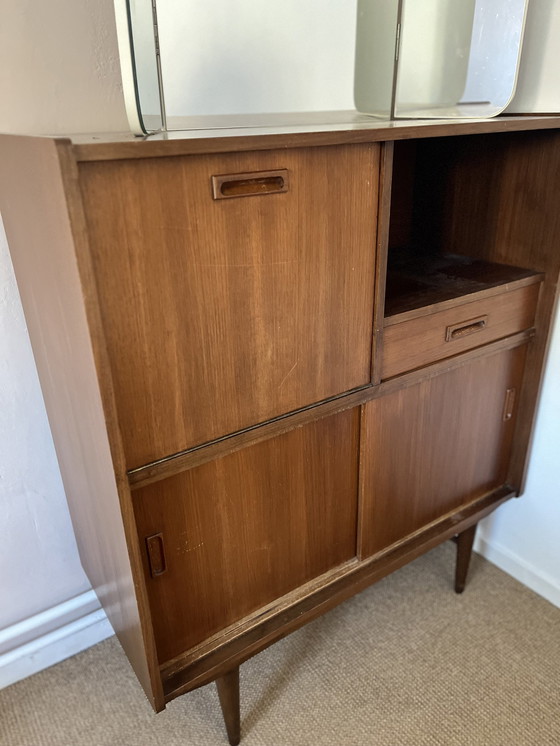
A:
[418,280]
[431,262]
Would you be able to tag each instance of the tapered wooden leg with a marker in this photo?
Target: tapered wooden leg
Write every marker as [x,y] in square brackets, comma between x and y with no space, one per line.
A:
[464,550]
[228,692]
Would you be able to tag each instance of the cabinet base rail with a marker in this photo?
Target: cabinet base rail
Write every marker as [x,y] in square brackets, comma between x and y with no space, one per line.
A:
[203,665]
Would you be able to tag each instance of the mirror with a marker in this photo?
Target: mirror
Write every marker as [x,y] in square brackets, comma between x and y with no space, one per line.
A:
[437,58]
[246,63]
[250,57]
[140,65]
[249,63]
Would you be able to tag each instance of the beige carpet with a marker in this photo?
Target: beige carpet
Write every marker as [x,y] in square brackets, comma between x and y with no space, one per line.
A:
[407,662]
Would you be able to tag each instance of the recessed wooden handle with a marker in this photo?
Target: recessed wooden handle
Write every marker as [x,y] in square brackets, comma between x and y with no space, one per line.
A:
[250,185]
[509,404]
[156,555]
[456,331]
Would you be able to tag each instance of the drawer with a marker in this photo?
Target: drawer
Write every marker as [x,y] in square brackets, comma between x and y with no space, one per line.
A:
[234,288]
[420,341]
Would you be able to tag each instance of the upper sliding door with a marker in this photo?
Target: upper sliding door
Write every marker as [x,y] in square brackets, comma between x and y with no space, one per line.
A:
[234,288]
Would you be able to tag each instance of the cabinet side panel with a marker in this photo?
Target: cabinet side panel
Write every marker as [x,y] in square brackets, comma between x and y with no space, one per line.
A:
[36,213]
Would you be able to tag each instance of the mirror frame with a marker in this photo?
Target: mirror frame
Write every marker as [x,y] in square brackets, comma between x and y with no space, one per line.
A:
[129,55]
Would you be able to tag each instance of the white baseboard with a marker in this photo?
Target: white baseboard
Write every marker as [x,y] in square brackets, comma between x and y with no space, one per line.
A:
[51,636]
[543,584]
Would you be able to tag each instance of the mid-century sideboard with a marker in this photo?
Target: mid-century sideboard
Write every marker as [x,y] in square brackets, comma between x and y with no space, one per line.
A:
[280,364]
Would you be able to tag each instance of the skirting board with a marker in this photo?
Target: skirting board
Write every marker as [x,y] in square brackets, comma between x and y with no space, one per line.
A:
[51,636]
[542,584]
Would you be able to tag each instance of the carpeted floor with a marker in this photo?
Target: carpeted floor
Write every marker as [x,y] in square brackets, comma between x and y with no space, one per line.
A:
[406,663]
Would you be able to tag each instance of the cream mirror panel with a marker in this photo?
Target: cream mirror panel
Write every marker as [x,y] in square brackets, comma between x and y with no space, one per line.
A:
[437,58]
[245,60]
[136,22]
[193,65]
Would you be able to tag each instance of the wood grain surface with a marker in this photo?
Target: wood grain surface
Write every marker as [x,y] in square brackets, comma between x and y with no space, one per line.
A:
[412,344]
[383,220]
[41,209]
[259,631]
[228,693]
[431,448]
[223,314]
[314,133]
[246,529]
[176,464]
[419,284]
[218,356]
[496,199]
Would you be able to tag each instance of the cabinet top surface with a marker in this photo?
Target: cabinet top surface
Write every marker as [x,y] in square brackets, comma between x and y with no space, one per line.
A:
[264,132]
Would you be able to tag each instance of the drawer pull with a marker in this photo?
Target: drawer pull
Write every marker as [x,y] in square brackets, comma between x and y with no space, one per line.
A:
[457,331]
[508,406]
[156,556]
[249,185]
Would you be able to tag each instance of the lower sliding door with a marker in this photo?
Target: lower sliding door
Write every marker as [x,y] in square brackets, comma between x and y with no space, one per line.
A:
[224,539]
[431,447]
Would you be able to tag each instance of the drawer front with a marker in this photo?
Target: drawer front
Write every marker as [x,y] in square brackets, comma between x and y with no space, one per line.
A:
[234,288]
[228,537]
[421,341]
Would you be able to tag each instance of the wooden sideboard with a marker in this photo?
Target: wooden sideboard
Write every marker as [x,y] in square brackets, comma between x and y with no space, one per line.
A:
[279,366]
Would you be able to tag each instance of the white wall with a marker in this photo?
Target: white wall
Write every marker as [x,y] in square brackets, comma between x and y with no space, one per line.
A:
[523,537]
[40,567]
[60,68]
[58,74]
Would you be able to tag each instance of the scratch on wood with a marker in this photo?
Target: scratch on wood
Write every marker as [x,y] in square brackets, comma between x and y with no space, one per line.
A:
[186,548]
[248,264]
[283,381]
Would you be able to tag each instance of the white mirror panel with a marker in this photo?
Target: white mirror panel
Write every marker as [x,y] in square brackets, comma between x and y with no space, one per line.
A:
[376,47]
[458,58]
[435,45]
[139,65]
[253,57]
[196,65]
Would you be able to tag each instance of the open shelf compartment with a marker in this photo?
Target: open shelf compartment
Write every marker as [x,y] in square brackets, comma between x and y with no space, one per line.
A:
[419,284]
[432,264]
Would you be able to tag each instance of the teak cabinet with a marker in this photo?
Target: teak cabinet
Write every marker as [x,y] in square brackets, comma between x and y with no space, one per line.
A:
[278,367]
